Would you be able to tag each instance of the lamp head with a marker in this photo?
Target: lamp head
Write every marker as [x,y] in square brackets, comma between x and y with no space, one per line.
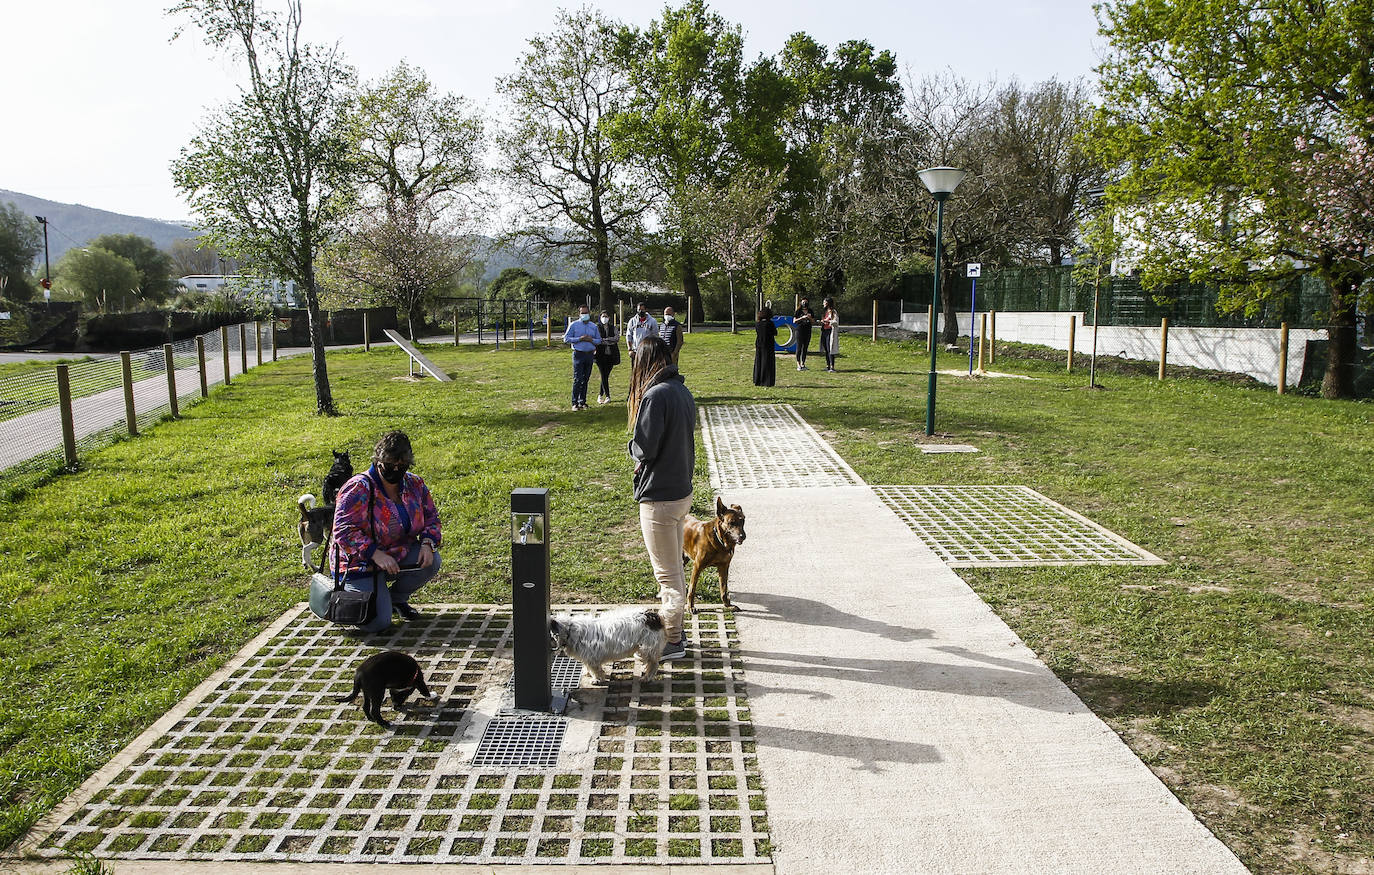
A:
[942,181]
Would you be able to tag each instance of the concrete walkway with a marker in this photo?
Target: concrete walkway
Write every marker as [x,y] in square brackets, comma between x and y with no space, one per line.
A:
[903,727]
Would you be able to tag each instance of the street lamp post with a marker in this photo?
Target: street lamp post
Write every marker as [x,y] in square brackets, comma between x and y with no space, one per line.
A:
[941,182]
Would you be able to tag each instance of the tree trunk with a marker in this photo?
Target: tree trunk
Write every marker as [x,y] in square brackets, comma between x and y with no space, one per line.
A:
[323,397]
[1056,252]
[602,255]
[1339,380]
[949,332]
[690,287]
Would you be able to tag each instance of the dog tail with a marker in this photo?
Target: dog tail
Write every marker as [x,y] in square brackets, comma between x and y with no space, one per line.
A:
[306,502]
[357,688]
[653,620]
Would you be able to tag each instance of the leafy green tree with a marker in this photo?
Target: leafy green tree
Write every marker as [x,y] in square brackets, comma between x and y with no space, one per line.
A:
[686,68]
[1210,114]
[842,107]
[415,144]
[576,194]
[155,283]
[270,175]
[20,242]
[104,280]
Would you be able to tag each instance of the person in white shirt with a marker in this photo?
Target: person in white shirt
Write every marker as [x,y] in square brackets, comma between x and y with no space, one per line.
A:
[641,325]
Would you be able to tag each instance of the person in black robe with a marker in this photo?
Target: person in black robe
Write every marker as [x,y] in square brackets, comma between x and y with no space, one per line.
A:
[765,339]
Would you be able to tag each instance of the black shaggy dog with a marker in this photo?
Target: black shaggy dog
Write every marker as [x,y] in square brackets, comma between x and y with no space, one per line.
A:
[390,670]
[317,523]
[338,475]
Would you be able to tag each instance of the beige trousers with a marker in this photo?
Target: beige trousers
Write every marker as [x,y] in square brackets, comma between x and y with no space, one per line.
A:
[661,522]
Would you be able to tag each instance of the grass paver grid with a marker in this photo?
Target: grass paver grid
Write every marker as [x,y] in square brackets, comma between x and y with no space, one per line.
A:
[761,446]
[267,767]
[971,526]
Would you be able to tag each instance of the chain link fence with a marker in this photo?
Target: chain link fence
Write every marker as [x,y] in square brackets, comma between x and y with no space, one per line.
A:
[31,412]
[1302,301]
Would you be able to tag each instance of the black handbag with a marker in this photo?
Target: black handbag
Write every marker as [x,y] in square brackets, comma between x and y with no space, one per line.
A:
[328,598]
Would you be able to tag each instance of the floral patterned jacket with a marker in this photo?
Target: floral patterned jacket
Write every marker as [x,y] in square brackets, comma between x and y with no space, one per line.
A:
[397,525]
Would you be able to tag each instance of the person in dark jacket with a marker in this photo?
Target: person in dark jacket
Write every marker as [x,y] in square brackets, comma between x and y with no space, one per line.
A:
[663,418]
[671,332]
[765,341]
[607,354]
[802,323]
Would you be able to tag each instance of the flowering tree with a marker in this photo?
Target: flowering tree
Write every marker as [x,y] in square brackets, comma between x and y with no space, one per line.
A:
[1339,180]
[730,221]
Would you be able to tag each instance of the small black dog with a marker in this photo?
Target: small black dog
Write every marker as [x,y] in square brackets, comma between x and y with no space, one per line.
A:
[338,475]
[317,523]
[389,670]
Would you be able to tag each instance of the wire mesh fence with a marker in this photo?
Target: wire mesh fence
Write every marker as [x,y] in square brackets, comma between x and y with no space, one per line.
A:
[1301,301]
[31,413]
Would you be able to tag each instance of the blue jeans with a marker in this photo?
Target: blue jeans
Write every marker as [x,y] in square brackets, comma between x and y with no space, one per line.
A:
[399,587]
[582,373]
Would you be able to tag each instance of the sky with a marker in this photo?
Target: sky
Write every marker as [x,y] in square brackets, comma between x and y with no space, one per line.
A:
[104,100]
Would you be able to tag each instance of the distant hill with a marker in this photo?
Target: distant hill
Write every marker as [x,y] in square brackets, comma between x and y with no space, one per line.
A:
[71,225]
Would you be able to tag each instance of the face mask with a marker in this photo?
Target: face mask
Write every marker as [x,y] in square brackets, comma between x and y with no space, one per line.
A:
[668,318]
[643,316]
[392,474]
[585,317]
[605,320]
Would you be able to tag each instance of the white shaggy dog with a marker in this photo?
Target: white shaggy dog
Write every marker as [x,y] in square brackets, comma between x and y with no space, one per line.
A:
[615,635]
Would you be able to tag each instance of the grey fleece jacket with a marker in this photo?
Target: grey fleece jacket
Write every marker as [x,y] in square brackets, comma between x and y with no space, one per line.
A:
[664,441]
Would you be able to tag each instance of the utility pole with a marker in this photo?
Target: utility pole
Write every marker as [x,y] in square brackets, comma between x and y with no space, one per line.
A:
[47,272]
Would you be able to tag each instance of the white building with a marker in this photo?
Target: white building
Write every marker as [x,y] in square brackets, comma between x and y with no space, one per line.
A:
[272,291]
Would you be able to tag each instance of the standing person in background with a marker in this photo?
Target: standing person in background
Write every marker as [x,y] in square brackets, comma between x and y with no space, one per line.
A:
[663,416]
[671,332]
[765,340]
[641,325]
[830,332]
[584,337]
[607,355]
[802,322]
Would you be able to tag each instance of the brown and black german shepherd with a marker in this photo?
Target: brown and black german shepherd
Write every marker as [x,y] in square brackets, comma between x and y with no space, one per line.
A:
[712,543]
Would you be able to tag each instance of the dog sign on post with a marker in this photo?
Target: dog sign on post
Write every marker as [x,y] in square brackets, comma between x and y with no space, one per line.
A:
[529,565]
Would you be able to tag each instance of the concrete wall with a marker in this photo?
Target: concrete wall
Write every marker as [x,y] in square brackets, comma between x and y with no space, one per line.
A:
[1252,351]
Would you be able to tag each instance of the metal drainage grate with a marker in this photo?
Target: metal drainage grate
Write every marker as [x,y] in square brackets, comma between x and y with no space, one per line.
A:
[564,676]
[969,526]
[521,741]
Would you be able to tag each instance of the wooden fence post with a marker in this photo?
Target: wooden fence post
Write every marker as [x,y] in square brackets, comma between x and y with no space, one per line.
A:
[224,349]
[1163,345]
[930,328]
[257,340]
[243,348]
[992,336]
[1073,324]
[272,333]
[548,325]
[875,319]
[200,366]
[982,338]
[367,331]
[1283,357]
[455,326]
[64,406]
[171,380]
[130,416]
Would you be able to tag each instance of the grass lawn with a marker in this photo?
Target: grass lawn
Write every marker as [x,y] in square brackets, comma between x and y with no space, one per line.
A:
[1241,671]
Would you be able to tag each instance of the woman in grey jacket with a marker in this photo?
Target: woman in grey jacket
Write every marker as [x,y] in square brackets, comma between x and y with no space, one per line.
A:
[663,417]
